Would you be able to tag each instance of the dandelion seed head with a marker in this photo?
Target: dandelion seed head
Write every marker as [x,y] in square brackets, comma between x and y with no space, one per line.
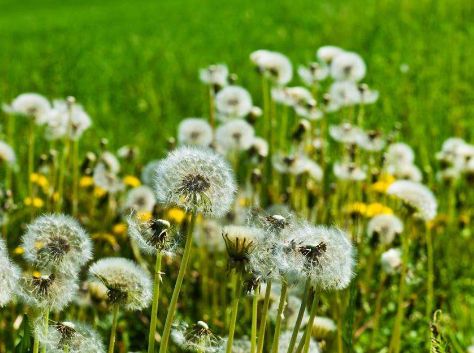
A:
[197,180]
[385,227]
[140,199]
[349,171]
[367,95]
[235,135]
[348,66]
[148,172]
[417,196]
[106,179]
[7,154]
[127,283]
[233,102]
[274,65]
[57,242]
[153,235]
[405,172]
[195,338]
[260,147]
[371,141]
[327,53]
[66,120]
[313,73]
[32,105]
[9,276]
[399,153]
[194,132]
[391,260]
[240,242]
[323,327]
[214,75]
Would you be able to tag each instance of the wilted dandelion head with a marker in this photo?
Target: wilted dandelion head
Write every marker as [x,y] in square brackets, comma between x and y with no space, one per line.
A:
[70,337]
[67,119]
[127,283]
[198,180]
[326,255]
[274,65]
[47,291]
[417,196]
[348,66]
[152,236]
[349,171]
[240,242]
[233,102]
[32,105]
[391,260]
[7,154]
[195,338]
[194,132]
[235,135]
[57,242]
[323,327]
[313,73]
[327,53]
[9,275]
[399,153]
[140,199]
[214,75]
[343,94]
[384,228]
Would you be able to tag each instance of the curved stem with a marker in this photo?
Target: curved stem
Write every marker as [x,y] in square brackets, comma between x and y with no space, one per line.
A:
[114,328]
[177,287]
[263,323]
[306,340]
[235,307]
[279,318]
[299,318]
[154,307]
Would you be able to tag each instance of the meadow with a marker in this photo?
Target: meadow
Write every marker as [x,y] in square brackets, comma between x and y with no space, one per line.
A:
[359,214]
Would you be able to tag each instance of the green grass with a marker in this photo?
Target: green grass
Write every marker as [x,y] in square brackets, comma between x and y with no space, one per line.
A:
[133,64]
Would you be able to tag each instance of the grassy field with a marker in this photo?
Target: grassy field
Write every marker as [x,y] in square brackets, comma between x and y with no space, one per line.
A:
[134,64]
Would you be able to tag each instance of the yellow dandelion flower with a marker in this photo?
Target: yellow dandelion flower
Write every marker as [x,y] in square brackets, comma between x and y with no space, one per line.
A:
[377,208]
[99,192]
[131,181]
[86,181]
[19,250]
[36,274]
[357,207]
[119,229]
[144,216]
[55,196]
[175,215]
[244,201]
[107,237]
[383,183]
[35,202]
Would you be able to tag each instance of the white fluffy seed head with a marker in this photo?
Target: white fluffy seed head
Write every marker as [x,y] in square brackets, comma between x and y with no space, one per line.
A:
[325,254]
[313,73]
[127,283]
[9,276]
[323,327]
[140,199]
[7,154]
[417,196]
[405,172]
[148,172]
[57,243]
[47,291]
[194,132]
[348,66]
[67,120]
[327,53]
[233,102]
[384,227]
[348,171]
[391,260]
[371,141]
[398,154]
[31,105]
[153,235]
[195,338]
[346,133]
[274,65]
[343,94]
[198,180]
[235,135]
[214,75]
[71,337]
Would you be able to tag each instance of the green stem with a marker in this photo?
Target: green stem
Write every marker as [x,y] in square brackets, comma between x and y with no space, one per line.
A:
[279,318]
[177,287]
[430,279]
[45,328]
[303,346]
[300,316]
[114,329]
[75,177]
[154,307]
[253,335]
[235,307]
[263,323]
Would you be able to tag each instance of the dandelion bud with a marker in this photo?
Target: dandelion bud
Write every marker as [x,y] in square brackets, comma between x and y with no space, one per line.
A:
[170,143]
[103,143]
[323,327]
[240,242]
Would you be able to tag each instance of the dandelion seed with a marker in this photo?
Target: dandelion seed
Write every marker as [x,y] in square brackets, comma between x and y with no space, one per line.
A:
[348,66]
[127,284]
[9,276]
[391,260]
[7,154]
[214,75]
[274,65]
[194,132]
[31,105]
[197,180]
[195,338]
[233,102]
[327,53]
[384,228]
[235,135]
[58,243]
[152,235]
[140,199]
[417,196]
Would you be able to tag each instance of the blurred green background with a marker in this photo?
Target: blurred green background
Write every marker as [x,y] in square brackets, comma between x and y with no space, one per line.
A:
[134,64]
